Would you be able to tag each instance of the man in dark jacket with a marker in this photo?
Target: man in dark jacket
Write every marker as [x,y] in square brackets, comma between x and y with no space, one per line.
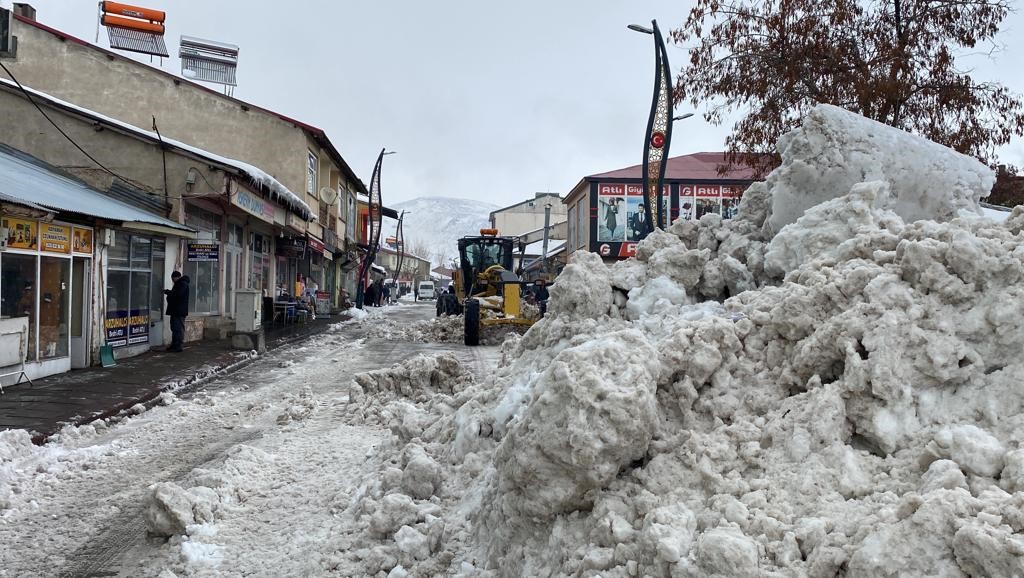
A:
[177,309]
[540,294]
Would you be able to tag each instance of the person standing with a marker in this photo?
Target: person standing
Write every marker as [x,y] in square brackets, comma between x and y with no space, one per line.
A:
[177,309]
[540,293]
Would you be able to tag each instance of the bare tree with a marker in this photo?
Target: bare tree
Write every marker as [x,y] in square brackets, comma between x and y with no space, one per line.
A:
[890,60]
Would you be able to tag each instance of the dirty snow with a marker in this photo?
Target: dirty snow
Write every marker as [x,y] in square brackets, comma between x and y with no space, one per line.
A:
[820,386]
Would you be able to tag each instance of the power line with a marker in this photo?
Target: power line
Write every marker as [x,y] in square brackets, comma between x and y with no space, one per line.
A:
[71,140]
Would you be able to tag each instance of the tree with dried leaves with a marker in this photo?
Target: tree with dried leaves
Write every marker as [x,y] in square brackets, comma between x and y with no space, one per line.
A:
[893,61]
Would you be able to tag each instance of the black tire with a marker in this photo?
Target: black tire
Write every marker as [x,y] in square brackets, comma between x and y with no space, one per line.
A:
[472,332]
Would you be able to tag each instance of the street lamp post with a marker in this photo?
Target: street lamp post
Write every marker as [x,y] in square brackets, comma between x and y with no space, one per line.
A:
[373,240]
[659,131]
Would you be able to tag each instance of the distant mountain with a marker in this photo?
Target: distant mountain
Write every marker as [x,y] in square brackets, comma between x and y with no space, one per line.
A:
[435,224]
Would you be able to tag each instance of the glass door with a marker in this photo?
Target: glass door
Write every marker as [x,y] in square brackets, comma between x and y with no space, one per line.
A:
[80,319]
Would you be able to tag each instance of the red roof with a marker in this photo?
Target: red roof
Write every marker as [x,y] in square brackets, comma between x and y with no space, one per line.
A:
[698,166]
[318,134]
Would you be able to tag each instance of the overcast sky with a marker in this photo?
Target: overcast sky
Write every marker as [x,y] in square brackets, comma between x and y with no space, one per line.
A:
[484,100]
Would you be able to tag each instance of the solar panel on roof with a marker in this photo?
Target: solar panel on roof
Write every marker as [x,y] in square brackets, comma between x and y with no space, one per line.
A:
[136,41]
[208,61]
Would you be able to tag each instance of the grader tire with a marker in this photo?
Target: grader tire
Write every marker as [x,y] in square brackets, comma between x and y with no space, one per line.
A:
[472,317]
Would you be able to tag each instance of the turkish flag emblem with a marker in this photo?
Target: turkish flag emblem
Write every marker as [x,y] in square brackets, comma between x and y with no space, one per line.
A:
[658,140]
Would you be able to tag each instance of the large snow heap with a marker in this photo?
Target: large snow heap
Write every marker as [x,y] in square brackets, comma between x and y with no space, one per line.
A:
[827,384]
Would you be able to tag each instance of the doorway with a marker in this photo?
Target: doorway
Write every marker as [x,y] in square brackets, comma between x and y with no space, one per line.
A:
[81,296]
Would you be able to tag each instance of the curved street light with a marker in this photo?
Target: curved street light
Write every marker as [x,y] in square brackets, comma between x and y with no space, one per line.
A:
[659,131]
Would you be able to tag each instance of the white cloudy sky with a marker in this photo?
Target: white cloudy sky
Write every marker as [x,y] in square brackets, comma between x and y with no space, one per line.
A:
[483,100]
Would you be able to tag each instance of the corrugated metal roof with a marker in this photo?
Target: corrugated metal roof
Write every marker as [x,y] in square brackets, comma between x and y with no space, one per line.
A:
[27,182]
[11,199]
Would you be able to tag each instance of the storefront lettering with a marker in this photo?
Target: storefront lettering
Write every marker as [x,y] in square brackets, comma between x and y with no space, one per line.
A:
[124,327]
[56,238]
[203,252]
[253,205]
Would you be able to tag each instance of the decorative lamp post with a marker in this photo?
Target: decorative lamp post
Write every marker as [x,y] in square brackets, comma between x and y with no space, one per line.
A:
[375,226]
[659,131]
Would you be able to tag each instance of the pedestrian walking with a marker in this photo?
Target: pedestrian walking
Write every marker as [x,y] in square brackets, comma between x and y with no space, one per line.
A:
[387,294]
[177,309]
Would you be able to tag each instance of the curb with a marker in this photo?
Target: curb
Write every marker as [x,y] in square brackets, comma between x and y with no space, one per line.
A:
[199,377]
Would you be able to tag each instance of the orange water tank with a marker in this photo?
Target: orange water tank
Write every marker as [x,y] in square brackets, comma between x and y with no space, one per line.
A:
[132,24]
[118,9]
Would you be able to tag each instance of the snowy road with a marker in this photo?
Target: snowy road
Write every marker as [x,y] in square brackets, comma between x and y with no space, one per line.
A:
[272,438]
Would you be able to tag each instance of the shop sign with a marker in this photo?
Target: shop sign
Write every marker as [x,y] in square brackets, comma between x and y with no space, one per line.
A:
[124,327]
[293,221]
[21,234]
[55,238]
[81,241]
[203,251]
[292,247]
[138,326]
[316,245]
[116,327]
[254,205]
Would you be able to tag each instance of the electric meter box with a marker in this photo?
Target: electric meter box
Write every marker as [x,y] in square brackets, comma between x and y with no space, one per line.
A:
[248,310]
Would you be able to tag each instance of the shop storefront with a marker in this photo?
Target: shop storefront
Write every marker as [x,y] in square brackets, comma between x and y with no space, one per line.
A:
[36,282]
[607,213]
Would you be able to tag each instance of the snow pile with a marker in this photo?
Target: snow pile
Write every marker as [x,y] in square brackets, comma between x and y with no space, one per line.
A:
[835,150]
[444,329]
[852,407]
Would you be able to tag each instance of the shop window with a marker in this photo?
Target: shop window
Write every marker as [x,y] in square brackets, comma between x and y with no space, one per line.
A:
[130,295]
[311,163]
[54,295]
[204,286]
[117,254]
[18,290]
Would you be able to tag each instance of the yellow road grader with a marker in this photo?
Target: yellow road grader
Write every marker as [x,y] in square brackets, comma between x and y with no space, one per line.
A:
[487,288]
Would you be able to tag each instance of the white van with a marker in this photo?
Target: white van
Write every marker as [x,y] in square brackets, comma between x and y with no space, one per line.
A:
[425,290]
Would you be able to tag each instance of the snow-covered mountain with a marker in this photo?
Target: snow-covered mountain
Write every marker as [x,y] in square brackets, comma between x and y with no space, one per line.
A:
[436,223]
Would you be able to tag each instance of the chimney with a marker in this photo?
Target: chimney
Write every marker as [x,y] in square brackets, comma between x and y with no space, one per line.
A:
[25,11]
[1001,170]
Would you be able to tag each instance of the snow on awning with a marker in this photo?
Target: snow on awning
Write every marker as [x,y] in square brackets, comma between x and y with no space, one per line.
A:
[256,175]
[379,269]
[33,184]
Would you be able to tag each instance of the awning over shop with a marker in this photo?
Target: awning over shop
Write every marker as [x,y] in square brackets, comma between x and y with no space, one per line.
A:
[30,182]
[379,269]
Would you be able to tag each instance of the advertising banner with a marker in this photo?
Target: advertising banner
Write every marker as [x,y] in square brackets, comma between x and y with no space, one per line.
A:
[21,234]
[55,238]
[611,213]
[81,241]
[138,326]
[116,327]
[203,251]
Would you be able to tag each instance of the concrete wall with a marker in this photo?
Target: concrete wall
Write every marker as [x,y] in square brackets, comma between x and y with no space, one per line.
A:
[23,128]
[135,93]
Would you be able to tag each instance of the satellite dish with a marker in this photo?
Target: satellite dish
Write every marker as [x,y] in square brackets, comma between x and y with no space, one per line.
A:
[328,195]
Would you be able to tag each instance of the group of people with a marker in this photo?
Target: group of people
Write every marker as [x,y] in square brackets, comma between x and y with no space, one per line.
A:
[377,294]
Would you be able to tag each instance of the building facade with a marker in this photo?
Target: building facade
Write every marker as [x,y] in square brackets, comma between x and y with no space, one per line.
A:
[295,154]
[528,215]
[221,222]
[603,209]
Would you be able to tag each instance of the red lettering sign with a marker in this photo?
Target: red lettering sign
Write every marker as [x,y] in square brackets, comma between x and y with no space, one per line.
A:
[606,189]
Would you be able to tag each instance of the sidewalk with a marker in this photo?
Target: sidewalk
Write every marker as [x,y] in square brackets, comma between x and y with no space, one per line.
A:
[81,396]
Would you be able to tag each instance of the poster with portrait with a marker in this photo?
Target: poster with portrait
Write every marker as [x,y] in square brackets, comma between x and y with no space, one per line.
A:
[687,202]
[611,213]
[708,200]
[636,218]
[81,241]
[731,201]
[21,234]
